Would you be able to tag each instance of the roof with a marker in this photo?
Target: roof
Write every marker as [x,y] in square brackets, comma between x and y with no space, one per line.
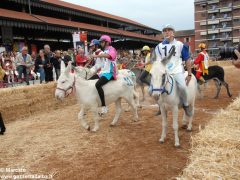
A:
[190,32]
[92,11]
[60,22]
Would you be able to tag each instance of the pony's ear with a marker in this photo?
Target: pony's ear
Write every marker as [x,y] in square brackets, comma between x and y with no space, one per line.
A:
[69,68]
[153,56]
[62,67]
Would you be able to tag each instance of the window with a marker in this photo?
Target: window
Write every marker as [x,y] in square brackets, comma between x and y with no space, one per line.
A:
[229,4]
[213,27]
[187,39]
[213,36]
[225,15]
[203,14]
[213,7]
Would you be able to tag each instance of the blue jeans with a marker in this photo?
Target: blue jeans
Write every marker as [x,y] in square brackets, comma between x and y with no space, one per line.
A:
[25,71]
[42,74]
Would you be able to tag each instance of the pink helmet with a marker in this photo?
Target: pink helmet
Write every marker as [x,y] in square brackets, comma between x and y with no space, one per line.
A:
[105,38]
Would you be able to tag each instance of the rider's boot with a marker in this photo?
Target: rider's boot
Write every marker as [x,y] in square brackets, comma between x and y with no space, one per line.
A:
[104,110]
[201,80]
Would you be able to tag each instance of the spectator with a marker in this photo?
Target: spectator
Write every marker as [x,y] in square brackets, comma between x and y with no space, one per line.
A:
[39,65]
[48,65]
[81,59]
[56,60]
[23,63]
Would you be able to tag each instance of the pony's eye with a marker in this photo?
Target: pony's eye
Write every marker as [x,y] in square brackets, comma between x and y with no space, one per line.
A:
[63,81]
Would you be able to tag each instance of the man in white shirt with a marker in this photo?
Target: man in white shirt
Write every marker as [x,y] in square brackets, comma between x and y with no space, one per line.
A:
[174,66]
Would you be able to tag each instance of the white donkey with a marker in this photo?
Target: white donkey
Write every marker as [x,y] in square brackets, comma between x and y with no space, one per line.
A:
[166,91]
[88,97]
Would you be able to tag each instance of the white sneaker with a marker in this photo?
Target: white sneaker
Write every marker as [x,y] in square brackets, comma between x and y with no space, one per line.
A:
[104,110]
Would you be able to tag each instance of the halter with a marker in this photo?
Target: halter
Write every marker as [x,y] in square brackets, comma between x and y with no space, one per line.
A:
[65,90]
[163,88]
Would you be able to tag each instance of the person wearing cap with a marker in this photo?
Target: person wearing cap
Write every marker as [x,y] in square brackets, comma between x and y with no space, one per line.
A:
[201,63]
[147,65]
[95,50]
[108,69]
[175,65]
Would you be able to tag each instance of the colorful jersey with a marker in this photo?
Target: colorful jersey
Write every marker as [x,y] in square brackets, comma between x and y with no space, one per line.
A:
[174,66]
[109,67]
[147,59]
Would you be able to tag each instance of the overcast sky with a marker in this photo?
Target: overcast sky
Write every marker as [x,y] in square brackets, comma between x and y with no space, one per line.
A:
[153,13]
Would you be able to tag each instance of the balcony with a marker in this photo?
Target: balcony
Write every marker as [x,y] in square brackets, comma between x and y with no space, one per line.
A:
[213,11]
[226,29]
[215,21]
[202,23]
[236,40]
[225,9]
[213,1]
[236,7]
[226,39]
[203,33]
[213,31]
[226,19]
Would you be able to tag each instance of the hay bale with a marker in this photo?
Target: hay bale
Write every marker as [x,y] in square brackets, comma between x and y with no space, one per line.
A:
[215,152]
[22,102]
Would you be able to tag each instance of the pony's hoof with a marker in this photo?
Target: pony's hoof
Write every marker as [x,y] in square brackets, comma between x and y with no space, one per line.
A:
[177,145]
[161,141]
[1,133]
[88,128]
[135,120]
[112,125]
[94,130]
[184,126]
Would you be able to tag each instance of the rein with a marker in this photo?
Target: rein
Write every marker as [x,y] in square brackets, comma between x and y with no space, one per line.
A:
[163,88]
[65,90]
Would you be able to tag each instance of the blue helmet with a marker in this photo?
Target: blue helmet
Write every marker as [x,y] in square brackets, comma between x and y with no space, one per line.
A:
[94,42]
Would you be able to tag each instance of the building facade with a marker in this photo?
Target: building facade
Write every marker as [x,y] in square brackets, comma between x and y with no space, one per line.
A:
[187,37]
[36,22]
[217,23]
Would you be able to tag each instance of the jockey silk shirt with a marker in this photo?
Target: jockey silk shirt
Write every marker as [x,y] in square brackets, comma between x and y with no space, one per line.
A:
[109,66]
[174,66]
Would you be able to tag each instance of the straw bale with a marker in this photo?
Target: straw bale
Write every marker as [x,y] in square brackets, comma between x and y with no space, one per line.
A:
[215,152]
[19,102]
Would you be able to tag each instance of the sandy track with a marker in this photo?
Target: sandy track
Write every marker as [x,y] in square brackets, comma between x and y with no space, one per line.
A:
[56,143]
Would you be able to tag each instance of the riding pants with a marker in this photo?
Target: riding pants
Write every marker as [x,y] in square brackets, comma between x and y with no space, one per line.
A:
[102,81]
[144,76]
[181,84]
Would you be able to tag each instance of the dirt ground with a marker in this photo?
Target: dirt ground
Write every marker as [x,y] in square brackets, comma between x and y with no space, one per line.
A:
[55,143]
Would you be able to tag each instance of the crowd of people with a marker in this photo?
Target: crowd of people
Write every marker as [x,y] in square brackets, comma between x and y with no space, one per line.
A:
[104,60]
[21,66]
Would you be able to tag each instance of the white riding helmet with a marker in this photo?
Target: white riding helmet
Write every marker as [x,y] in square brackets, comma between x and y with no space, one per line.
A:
[168,26]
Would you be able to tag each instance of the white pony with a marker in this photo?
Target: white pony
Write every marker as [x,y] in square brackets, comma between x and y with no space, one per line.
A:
[166,91]
[88,97]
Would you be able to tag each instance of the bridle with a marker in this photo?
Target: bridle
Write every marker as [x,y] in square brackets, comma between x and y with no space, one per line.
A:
[66,90]
[163,89]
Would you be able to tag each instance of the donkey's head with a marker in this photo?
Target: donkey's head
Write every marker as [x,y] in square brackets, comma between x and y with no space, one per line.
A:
[66,81]
[158,73]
